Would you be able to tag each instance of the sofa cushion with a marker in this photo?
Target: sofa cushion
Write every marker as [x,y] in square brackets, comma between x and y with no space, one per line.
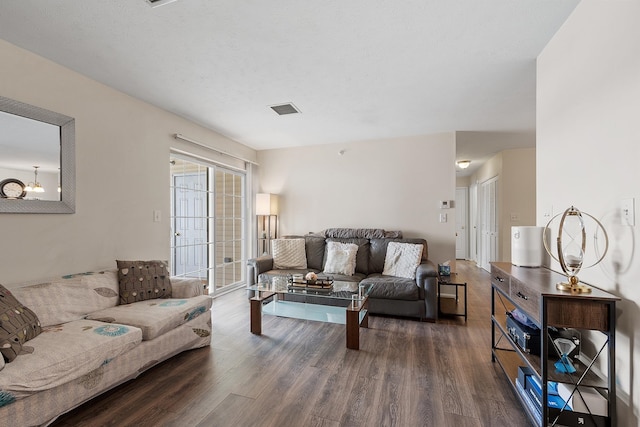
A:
[66,352]
[402,259]
[378,251]
[155,317]
[70,297]
[288,253]
[314,248]
[390,287]
[18,324]
[143,280]
[341,258]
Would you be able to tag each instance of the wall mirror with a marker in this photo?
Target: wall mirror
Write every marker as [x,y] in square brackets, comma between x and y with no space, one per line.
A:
[37,159]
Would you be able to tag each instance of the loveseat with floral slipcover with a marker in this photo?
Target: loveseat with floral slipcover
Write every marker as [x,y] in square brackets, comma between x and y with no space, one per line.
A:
[66,340]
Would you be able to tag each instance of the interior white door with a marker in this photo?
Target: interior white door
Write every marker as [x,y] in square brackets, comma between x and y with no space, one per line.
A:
[473,223]
[462,223]
[488,222]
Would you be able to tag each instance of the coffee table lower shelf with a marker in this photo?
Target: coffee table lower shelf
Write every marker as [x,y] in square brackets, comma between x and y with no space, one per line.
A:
[354,316]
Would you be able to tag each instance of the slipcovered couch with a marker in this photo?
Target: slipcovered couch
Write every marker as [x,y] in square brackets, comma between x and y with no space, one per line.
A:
[390,295]
[86,339]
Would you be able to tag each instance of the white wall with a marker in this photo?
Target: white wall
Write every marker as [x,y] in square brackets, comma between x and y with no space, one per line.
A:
[516,172]
[122,152]
[391,184]
[518,190]
[588,106]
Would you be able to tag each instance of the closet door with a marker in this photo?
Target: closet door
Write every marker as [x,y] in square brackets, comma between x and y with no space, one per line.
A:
[488,223]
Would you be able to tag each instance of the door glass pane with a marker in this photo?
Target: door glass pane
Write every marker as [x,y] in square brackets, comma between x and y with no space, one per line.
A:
[208,223]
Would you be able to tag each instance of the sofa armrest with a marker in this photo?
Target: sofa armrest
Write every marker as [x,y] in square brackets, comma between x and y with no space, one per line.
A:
[258,266]
[187,287]
[427,280]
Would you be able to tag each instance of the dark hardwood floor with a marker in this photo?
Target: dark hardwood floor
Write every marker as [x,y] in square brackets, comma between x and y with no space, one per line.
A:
[299,373]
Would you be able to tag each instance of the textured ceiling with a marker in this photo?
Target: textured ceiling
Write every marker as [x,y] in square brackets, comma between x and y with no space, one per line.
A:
[357,70]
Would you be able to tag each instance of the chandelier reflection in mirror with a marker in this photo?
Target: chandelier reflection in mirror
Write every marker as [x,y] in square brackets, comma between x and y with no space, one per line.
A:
[35,185]
[571,245]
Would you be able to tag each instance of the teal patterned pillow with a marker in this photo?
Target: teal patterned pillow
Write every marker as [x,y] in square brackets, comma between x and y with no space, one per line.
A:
[143,280]
[18,325]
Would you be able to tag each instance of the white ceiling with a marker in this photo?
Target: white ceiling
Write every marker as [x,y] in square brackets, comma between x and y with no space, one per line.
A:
[358,70]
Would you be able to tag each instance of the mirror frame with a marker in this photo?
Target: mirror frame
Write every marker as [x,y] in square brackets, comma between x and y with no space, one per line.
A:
[67,202]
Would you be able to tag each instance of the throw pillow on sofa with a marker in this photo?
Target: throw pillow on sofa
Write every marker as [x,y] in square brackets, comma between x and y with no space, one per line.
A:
[288,254]
[341,258]
[18,324]
[143,280]
[402,259]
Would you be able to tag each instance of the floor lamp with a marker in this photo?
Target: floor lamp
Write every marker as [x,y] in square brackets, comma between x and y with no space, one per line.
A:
[267,220]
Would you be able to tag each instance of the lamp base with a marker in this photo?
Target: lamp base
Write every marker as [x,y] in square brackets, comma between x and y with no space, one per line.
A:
[574,288]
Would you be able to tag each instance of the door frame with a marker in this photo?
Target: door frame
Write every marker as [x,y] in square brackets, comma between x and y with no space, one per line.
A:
[212,215]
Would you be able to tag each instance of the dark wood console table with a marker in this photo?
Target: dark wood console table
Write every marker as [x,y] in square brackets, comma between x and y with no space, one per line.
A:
[533,291]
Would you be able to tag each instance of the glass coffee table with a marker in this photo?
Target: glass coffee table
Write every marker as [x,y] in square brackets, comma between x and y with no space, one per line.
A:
[311,303]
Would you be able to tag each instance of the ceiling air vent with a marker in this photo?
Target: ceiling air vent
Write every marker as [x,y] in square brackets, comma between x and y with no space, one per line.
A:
[283,109]
[157,3]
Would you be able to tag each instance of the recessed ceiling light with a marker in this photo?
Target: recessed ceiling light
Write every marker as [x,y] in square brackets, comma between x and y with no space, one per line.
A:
[283,109]
[157,3]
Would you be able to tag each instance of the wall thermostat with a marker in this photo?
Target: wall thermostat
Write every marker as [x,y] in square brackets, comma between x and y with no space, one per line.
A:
[445,204]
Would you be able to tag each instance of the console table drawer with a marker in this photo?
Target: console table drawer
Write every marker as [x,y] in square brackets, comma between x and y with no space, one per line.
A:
[500,280]
[527,298]
[589,314]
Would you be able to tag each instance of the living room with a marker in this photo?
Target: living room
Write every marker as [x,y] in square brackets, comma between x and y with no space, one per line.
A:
[587,100]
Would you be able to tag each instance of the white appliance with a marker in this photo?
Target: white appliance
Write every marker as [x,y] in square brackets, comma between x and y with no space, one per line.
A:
[526,246]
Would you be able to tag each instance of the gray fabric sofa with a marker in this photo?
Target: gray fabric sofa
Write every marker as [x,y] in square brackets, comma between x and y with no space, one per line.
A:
[389,295]
[90,343]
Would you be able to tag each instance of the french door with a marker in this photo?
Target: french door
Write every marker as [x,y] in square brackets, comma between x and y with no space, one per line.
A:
[208,223]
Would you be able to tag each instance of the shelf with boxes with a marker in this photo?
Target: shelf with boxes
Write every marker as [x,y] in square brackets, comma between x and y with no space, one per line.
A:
[533,325]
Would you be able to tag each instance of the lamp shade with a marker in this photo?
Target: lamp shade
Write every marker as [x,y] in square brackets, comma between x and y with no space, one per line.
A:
[266,204]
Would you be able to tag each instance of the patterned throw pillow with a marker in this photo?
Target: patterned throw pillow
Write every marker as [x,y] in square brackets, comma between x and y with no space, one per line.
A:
[18,325]
[341,258]
[402,259]
[143,280]
[288,254]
